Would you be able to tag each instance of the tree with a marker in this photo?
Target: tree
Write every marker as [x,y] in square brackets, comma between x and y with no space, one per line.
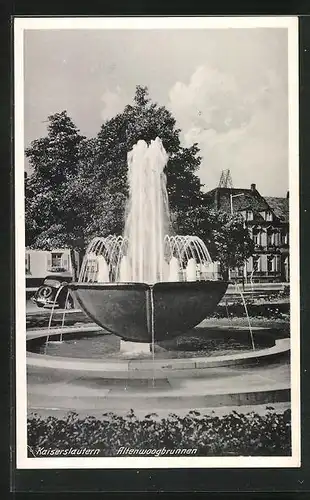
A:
[225,235]
[146,120]
[51,219]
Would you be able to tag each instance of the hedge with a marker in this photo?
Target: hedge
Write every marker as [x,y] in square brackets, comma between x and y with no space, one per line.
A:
[235,434]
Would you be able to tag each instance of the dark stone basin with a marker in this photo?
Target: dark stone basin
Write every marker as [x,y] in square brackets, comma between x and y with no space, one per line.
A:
[130,309]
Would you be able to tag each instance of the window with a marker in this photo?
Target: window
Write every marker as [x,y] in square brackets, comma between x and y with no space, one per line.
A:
[270,237]
[256,263]
[65,262]
[270,263]
[269,216]
[249,215]
[285,238]
[256,237]
[91,269]
[277,263]
[276,237]
[27,263]
[56,259]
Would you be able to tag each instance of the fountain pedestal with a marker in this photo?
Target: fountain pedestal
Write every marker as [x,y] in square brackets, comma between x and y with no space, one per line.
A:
[134,348]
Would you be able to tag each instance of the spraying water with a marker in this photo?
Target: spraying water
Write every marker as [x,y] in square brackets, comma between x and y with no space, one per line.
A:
[50,320]
[148,216]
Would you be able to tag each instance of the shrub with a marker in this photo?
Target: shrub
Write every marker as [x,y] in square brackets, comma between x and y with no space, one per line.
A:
[242,434]
[266,310]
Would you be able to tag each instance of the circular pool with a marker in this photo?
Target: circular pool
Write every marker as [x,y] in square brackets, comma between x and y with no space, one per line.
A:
[200,342]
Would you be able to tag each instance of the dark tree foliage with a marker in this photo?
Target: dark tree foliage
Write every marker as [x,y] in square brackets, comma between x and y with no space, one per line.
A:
[51,218]
[146,121]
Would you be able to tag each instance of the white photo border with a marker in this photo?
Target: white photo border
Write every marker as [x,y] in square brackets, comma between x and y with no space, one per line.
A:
[136,23]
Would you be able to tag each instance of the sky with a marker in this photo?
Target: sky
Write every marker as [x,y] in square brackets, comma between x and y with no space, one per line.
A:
[227,89]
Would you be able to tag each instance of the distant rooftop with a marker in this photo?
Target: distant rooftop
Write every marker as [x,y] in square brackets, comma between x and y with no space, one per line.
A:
[250,199]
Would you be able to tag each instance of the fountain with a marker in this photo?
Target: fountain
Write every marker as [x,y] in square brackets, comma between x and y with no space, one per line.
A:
[150,288]
[148,285]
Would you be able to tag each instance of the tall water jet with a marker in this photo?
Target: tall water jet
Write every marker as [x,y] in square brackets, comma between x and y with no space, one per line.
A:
[148,215]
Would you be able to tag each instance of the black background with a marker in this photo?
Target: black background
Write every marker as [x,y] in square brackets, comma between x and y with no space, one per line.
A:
[155,480]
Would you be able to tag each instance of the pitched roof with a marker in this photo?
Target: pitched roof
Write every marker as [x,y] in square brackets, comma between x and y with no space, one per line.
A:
[250,199]
[280,207]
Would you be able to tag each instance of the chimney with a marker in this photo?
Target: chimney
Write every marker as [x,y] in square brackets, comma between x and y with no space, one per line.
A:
[287,195]
[253,187]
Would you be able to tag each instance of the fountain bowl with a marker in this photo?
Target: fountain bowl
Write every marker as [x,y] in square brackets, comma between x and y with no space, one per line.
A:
[138,312]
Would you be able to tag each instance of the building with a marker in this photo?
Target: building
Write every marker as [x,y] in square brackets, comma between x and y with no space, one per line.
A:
[268,222]
[40,263]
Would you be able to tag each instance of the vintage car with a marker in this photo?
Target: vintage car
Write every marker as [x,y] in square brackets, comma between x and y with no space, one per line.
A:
[54,286]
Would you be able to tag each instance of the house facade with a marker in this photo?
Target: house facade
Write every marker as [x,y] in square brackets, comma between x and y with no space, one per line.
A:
[40,263]
[267,219]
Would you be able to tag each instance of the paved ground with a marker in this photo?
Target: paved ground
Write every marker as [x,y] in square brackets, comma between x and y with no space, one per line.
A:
[221,386]
[163,413]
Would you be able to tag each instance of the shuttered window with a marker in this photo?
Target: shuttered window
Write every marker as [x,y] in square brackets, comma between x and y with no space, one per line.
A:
[277,263]
[263,238]
[27,263]
[256,236]
[276,237]
[256,263]
[264,262]
[92,270]
[56,259]
[270,263]
[285,238]
[270,236]
[64,262]
[49,261]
